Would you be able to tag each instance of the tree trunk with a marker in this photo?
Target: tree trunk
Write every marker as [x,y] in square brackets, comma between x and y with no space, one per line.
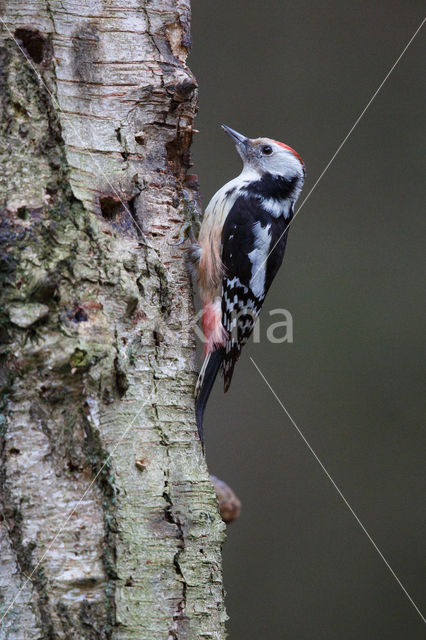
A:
[110,525]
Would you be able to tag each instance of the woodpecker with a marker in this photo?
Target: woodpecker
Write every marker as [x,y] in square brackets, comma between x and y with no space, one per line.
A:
[239,250]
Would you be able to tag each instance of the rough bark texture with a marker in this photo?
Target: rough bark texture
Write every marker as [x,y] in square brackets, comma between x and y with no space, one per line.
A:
[97,350]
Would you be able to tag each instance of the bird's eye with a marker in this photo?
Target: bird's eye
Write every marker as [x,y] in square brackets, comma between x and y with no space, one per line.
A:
[266,150]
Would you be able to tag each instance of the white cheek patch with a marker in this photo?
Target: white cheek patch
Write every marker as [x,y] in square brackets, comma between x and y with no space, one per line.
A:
[257,257]
[284,163]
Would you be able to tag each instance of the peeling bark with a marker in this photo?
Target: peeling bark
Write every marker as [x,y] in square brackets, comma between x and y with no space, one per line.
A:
[110,525]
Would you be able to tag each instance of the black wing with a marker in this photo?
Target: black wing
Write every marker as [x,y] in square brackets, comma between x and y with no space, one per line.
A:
[253,245]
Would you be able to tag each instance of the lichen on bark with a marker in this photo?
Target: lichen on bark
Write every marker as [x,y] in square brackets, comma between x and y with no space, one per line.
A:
[106,501]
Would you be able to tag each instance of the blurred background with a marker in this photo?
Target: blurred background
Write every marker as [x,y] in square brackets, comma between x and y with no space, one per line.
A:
[297,565]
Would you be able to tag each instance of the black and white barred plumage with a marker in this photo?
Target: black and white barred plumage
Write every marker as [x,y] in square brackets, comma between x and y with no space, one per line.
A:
[241,247]
[253,244]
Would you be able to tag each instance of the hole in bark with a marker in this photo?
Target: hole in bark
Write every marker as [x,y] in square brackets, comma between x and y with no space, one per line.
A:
[33,43]
[74,466]
[140,137]
[14,452]
[80,316]
[110,207]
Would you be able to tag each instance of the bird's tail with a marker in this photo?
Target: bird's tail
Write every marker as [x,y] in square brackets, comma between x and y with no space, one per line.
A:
[204,385]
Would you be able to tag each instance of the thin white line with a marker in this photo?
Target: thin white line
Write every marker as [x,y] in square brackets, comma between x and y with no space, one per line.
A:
[91,155]
[345,139]
[340,493]
[65,522]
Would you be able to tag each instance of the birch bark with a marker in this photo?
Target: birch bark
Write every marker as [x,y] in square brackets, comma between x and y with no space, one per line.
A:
[110,526]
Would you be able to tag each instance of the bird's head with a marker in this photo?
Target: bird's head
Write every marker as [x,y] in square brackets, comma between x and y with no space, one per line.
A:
[266,156]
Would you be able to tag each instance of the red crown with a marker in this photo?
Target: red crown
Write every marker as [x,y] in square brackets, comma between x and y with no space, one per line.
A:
[285,146]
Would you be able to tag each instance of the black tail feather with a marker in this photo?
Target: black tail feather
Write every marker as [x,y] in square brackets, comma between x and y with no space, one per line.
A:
[206,386]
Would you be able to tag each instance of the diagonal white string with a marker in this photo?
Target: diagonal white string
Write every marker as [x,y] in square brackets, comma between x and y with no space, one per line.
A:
[339,491]
[54,100]
[345,139]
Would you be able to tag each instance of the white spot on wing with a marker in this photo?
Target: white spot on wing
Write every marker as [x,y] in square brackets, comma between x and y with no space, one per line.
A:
[257,257]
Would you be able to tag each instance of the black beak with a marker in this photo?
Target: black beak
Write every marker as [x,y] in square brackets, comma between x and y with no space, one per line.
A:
[238,137]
